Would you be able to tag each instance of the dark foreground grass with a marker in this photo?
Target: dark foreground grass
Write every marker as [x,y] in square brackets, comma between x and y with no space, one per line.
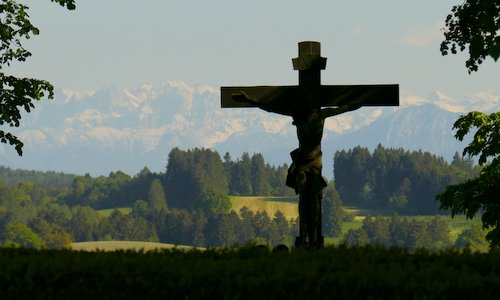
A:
[249,273]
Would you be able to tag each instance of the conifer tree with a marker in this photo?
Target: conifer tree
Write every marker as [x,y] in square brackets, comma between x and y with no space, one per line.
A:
[156,196]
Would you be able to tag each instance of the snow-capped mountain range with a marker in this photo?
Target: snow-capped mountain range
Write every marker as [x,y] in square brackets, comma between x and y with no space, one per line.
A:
[126,129]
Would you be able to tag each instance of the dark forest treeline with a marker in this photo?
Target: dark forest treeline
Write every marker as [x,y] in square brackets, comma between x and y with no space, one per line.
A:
[191,176]
[189,203]
[253,176]
[200,179]
[54,183]
[393,180]
[396,180]
[188,175]
[30,218]
[401,232]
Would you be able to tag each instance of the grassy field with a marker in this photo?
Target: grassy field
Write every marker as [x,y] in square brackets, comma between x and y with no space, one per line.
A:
[456,224]
[287,205]
[123,245]
[355,224]
[249,273]
[359,214]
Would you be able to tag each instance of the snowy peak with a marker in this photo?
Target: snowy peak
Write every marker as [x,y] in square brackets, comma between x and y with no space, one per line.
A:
[128,128]
[486,101]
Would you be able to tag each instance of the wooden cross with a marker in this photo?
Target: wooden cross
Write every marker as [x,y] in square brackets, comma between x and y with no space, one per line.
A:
[306,104]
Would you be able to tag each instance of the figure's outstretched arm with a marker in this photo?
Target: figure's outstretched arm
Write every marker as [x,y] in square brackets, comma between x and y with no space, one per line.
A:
[243,97]
[330,111]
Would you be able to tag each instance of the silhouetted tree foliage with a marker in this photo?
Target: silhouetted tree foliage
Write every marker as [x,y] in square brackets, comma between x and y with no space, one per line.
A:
[474,24]
[333,215]
[101,192]
[20,235]
[357,237]
[260,175]
[54,224]
[54,183]
[31,218]
[479,195]
[213,201]
[241,176]
[156,196]
[252,176]
[17,93]
[395,179]
[68,213]
[127,228]
[140,209]
[281,230]
[84,223]
[190,173]
[116,190]
[225,231]
[204,220]
[193,174]
[402,232]
[53,235]
[138,188]
[472,237]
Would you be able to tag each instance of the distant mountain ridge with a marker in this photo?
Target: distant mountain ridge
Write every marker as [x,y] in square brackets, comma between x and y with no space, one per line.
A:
[127,129]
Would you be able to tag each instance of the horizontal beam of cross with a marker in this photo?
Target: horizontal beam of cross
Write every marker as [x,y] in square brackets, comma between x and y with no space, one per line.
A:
[292,98]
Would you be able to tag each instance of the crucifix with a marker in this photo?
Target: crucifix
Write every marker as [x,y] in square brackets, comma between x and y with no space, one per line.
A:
[309,104]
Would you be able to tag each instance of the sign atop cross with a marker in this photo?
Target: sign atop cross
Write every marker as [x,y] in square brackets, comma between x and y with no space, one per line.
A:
[309,104]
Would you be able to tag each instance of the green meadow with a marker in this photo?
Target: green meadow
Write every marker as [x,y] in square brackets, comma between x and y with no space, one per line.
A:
[287,205]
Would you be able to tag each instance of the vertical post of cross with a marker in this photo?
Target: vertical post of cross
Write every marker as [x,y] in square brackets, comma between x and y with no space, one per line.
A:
[309,103]
[309,64]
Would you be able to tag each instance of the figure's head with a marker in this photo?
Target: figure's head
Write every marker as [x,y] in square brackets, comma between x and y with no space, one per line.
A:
[312,111]
[304,115]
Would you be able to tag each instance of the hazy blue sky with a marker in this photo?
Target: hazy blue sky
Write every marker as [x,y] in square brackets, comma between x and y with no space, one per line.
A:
[233,42]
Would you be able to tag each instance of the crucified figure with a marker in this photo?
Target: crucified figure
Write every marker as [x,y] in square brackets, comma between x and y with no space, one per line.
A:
[304,174]
[309,104]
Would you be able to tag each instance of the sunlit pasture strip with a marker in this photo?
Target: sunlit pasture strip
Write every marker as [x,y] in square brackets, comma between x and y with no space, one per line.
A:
[269,204]
[124,245]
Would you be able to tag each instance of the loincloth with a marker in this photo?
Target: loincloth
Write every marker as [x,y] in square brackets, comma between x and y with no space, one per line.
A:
[309,165]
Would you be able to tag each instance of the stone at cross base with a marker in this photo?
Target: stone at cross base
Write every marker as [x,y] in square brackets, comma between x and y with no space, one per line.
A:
[309,104]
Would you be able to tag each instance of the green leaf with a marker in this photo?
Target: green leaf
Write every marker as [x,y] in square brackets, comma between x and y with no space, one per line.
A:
[481,194]
[18,93]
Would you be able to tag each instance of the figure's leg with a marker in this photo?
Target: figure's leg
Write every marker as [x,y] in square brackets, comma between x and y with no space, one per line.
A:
[310,194]
[317,227]
[314,195]
[303,238]
[312,199]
